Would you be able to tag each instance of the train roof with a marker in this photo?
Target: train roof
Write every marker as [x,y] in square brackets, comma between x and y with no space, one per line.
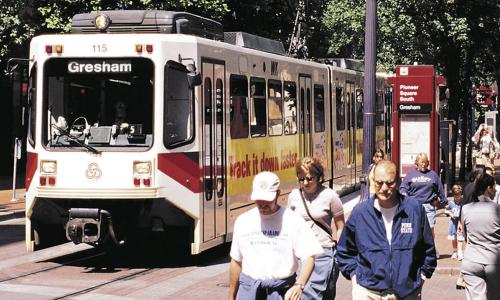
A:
[147,21]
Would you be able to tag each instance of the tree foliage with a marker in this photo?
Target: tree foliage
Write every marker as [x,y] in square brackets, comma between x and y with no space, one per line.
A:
[460,38]
[21,20]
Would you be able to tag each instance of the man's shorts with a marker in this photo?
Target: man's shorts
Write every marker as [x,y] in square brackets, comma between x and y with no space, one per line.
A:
[453,233]
[430,212]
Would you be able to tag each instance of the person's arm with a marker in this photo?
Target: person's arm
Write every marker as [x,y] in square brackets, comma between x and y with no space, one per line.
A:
[337,213]
[442,195]
[295,292]
[234,277]
[476,137]
[347,250]
[428,247]
[339,222]
[405,186]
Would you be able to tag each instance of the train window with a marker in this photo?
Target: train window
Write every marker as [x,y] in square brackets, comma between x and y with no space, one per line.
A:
[238,106]
[340,108]
[290,107]
[207,96]
[359,108]
[32,105]
[379,109]
[319,108]
[179,107]
[106,102]
[275,122]
[258,110]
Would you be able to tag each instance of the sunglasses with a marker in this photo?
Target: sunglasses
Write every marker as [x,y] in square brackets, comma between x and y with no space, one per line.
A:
[308,178]
[389,184]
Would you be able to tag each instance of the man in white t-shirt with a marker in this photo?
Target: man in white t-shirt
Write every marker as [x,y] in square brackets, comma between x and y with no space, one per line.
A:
[268,242]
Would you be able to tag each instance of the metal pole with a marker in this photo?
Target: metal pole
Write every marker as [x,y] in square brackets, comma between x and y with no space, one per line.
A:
[17,153]
[369,91]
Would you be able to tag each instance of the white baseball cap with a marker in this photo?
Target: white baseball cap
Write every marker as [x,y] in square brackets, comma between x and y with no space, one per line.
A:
[265,186]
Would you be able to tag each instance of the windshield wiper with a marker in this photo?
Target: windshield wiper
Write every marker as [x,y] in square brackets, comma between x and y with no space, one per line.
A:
[73,138]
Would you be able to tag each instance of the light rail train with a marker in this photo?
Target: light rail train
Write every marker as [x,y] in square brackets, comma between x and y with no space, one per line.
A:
[157,121]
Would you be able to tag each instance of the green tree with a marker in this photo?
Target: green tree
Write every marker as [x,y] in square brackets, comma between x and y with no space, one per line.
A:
[21,20]
[459,37]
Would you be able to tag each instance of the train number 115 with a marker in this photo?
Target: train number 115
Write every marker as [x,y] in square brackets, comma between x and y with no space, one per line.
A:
[100,48]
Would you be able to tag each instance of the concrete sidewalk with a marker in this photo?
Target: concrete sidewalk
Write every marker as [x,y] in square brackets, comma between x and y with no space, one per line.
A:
[9,208]
[16,209]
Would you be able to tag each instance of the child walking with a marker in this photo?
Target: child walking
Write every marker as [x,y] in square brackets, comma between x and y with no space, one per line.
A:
[453,210]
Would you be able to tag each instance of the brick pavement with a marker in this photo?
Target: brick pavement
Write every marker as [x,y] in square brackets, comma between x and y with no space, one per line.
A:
[440,286]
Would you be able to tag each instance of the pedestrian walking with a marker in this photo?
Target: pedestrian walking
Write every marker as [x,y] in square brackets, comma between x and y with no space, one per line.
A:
[425,186]
[453,210]
[386,247]
[481,223]
[322,210]
[268,242]
[488,145]
[378,155]
[469,190]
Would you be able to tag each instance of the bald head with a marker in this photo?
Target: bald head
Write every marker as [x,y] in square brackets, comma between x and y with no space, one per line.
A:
[386,166]
[386,183]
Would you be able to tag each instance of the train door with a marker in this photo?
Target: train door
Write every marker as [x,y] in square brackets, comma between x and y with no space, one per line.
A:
[306,135]
[388,119]
[214,191]
[351,131]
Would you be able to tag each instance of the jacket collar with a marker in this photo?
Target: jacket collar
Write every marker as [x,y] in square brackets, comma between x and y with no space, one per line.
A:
[402,207]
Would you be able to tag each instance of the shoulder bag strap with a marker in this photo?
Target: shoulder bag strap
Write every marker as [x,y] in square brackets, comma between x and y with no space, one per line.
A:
[321,225]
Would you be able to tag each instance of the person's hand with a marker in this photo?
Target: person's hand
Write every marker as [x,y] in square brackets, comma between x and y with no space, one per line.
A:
[294,292]
[423,278]
[435,202]
[459,228]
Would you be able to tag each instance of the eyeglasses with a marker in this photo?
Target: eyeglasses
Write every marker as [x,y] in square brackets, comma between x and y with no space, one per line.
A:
[378,156]
[389,184]
[308,178]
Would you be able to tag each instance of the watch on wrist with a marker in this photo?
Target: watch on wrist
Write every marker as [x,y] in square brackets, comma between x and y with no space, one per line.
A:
[299,285]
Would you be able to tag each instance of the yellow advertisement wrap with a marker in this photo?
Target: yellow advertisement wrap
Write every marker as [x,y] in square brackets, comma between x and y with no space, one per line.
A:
[248,157]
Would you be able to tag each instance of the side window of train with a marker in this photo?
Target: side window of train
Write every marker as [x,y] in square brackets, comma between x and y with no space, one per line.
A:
[258,111]
[179,106]
[319,108]
[290,107]
[340,108]
[359,108]
[238,102]
[275,122]
[32,105]
[379,109]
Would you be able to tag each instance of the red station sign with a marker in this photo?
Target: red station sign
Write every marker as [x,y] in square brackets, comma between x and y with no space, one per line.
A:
[415,116]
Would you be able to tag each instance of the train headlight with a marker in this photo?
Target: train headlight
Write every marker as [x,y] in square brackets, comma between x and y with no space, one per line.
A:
[142,167]
[102,22]
[48,166]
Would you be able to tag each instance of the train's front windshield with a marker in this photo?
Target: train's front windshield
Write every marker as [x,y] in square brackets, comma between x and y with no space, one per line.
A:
[98,103]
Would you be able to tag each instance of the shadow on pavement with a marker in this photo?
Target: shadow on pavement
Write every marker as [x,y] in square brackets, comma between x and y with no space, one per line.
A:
[6,182]
[11,234]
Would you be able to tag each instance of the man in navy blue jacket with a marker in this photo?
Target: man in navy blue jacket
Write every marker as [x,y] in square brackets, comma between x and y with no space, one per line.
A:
[386,247]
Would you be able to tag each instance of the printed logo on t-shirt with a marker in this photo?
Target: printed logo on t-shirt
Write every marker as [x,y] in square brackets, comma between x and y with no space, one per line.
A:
[406,228]
[421,179]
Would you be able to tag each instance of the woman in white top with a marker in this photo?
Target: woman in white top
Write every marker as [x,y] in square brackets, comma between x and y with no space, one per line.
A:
[486,144]
[314,201]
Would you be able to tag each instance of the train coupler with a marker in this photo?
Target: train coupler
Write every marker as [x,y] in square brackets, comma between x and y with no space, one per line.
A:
[90,225]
